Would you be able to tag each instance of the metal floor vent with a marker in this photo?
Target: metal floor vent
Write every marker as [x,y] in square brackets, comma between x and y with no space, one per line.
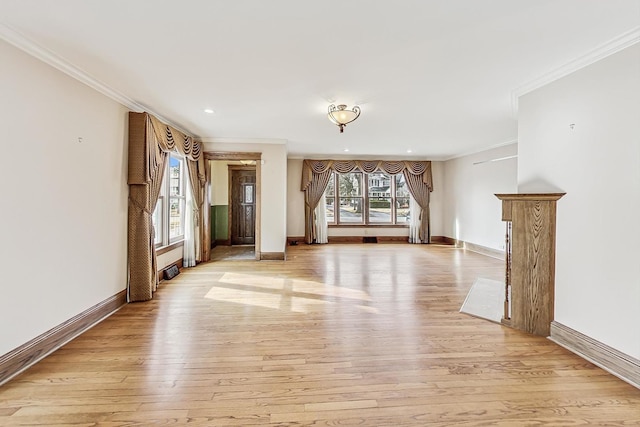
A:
[369,240]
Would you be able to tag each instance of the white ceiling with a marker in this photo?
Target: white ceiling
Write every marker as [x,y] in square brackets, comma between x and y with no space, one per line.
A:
[433,76]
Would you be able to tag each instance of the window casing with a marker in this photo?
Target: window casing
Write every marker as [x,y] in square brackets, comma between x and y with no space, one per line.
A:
[367,199]
[168,216]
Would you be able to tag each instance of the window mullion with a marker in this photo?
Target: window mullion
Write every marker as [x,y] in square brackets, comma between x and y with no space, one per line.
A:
[393,199]
[165,207]
[336,197]
[365,199]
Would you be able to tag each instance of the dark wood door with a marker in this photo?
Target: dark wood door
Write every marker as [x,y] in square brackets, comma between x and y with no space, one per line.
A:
[243,207]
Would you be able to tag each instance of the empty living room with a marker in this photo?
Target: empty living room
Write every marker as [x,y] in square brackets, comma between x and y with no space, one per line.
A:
[288,213]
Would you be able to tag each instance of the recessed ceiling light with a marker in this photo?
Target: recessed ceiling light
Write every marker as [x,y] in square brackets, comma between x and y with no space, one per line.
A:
[346,150]
[208,111]
[409,150]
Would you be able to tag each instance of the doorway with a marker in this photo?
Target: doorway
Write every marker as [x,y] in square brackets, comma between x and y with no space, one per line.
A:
[218,207]
[242,205]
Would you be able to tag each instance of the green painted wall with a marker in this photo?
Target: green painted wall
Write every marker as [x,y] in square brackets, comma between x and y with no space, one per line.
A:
[219,222]
[212,228]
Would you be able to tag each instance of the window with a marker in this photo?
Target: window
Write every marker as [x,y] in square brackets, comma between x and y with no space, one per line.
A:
[168,216]
[402,200]
[350,198]
[380,198]
[367,199]
[330,196]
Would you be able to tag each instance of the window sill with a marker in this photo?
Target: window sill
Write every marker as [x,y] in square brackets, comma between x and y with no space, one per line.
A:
[164,249]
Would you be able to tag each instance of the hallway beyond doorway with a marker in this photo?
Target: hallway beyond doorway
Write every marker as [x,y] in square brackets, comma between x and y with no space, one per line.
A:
[233,253]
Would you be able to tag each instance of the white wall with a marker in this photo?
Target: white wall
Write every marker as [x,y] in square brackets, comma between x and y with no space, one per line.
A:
[295,199]
[273,221]
[64,209]
[597,163]
[166,259]
[219,183]
[471,210]
[437,199]
[295,207]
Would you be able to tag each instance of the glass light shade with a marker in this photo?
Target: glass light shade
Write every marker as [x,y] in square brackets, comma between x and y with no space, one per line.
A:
[341,116]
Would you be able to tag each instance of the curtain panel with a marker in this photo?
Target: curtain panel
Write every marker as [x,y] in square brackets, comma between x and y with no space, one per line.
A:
[316,174]
[150,142]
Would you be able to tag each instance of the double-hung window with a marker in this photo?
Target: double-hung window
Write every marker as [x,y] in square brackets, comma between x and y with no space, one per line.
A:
[168,216]
[358,198]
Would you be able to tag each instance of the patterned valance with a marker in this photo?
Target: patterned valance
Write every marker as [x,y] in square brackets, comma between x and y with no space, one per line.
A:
[159,137]
[392,167]
[171,139]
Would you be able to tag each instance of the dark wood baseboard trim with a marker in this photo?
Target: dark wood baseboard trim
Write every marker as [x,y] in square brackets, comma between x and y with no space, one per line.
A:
[360,239]
[443,240]
[395,239]
[28,354]
[223,242]
[272,256]
[345,239]
[621,365]
[371,227]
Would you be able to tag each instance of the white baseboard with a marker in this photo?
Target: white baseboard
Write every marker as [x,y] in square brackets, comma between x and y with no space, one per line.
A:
[611,360]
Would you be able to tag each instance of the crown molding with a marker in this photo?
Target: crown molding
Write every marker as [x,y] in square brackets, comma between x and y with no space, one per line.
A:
[58,62]
[222,140]
[16,39]
[614,45]
[481,150]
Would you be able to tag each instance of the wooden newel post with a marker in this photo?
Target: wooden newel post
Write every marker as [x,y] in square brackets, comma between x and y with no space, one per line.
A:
[530,260]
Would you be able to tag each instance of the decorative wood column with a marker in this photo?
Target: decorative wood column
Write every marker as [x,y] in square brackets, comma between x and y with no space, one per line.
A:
[530,260]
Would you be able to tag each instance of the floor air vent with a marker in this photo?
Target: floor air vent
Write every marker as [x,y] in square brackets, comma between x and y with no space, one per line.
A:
[369,240]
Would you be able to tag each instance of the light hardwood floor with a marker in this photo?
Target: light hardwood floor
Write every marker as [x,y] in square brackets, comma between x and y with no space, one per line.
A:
[337,335]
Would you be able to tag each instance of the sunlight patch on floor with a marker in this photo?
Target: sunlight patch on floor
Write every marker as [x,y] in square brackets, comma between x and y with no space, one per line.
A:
[239,296]
[299,296]
[253,280]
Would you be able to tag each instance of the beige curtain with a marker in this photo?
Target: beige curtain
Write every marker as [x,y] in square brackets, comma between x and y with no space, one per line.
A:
[313,192]
[421,192]
[197,181]
[316,174]
[150,142]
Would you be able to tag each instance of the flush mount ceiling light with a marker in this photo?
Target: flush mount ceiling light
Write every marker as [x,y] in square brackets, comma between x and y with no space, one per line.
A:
[341,116]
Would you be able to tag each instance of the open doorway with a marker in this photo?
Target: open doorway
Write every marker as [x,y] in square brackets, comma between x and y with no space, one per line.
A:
[234,206]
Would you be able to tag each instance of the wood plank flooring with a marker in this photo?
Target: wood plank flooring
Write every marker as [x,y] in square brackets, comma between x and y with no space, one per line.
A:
[337,335]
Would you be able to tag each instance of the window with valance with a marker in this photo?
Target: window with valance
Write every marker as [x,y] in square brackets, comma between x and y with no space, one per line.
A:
[150,144]
[317,176]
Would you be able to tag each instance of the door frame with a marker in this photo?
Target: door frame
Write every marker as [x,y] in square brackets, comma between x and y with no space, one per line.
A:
[232,155]
[230,170]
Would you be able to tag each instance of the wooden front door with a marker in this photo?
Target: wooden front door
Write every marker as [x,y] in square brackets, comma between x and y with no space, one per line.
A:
[243,206]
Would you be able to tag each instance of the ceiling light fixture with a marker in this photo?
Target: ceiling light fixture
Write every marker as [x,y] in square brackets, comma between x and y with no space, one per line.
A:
[340,116]
[208,111]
